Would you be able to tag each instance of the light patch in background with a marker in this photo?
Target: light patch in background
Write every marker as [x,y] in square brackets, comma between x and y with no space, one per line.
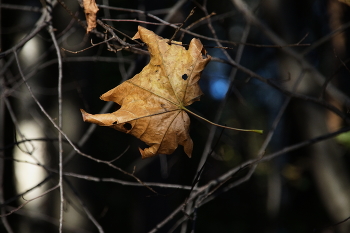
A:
[28,175]
[30,52]
[218,88]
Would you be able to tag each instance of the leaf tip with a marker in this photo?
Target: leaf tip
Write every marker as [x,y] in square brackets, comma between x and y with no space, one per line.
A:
[137,35]
[146,153]
[84,114]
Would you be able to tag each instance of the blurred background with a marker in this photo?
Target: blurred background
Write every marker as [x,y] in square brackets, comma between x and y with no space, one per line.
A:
[279,66]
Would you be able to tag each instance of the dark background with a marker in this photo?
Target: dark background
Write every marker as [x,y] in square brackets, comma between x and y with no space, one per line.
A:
[304,190]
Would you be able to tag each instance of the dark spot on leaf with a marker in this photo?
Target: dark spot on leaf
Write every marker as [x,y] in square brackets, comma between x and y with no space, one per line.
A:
[163,106]
[127,126]
[184,77]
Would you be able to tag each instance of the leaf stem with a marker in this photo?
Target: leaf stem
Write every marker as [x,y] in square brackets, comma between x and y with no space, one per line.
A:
[222,126]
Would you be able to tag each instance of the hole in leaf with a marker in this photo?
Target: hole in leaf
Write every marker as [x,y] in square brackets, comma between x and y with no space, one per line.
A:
[116,107]
[184,77]
[127,126]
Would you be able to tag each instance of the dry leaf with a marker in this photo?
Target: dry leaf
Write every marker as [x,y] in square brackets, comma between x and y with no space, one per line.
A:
[90,9]
[153,101]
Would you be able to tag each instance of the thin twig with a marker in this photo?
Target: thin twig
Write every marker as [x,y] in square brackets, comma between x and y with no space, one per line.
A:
[94,179]
[13,198]
[180,26]
[278,117]
[326,82]
[60,145]
[86,210]
[192,25]
[26,149]
[325,38]
[171,13]
[135,21]
[72,14]
[27,201]
[90,47]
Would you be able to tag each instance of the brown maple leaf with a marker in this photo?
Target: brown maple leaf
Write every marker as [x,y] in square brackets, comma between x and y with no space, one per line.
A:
[153,101]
